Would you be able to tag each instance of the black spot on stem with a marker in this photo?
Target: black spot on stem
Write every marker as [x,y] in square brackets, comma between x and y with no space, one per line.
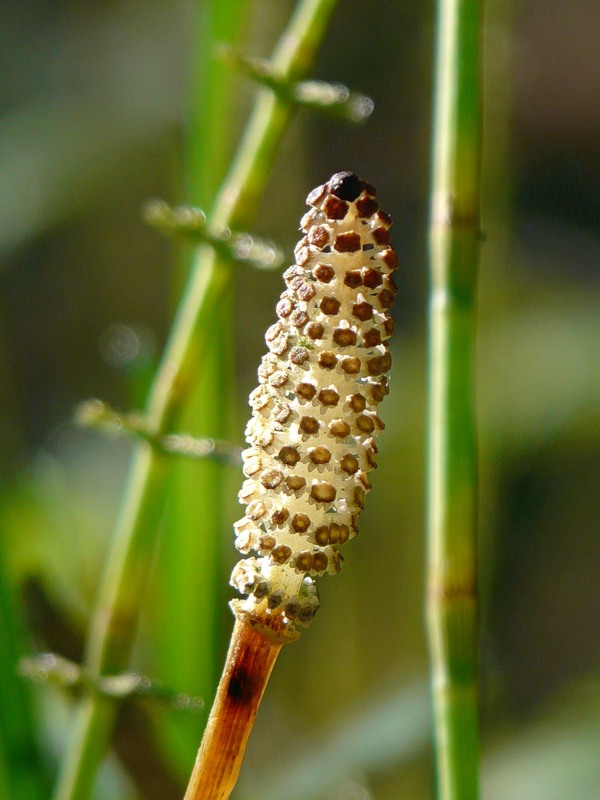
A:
[240,685]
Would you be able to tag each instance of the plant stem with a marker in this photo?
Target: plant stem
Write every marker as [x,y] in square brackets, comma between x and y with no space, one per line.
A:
[452,448]
[113,626]
[194,514]
[248,666]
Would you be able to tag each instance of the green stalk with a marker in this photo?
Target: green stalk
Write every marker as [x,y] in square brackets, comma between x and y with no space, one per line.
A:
[124,581]
[206,151]
[452,447]
[194,515]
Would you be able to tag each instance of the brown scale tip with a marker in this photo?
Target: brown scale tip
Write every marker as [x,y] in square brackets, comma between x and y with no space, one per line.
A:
[345,185]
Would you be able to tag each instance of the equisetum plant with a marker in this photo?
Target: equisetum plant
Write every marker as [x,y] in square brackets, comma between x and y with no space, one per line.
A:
[312,443]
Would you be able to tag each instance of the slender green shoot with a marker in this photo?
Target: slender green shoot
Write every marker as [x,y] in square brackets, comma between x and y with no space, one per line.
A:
[452,451]
[114,623]
[194,514]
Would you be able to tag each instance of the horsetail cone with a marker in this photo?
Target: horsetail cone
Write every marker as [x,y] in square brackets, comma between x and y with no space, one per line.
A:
[314,417]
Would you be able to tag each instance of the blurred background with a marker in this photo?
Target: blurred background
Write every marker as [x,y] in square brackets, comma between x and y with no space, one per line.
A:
[93,105]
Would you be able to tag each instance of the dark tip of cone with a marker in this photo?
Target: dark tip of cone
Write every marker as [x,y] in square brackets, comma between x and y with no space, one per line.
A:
[345,185]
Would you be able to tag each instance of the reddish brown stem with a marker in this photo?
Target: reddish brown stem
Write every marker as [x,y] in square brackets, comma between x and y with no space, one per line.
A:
[252,654]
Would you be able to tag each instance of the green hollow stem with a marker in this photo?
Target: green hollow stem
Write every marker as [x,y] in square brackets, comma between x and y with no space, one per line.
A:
[452,446]
[114,622]
[194,513]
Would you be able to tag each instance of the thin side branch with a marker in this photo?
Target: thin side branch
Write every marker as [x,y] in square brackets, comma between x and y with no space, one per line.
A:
[53,668]
[191,224]
[99,415]
[333,99]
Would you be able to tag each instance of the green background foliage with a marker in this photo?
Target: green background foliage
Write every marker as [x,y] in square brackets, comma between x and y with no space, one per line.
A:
[96,110]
